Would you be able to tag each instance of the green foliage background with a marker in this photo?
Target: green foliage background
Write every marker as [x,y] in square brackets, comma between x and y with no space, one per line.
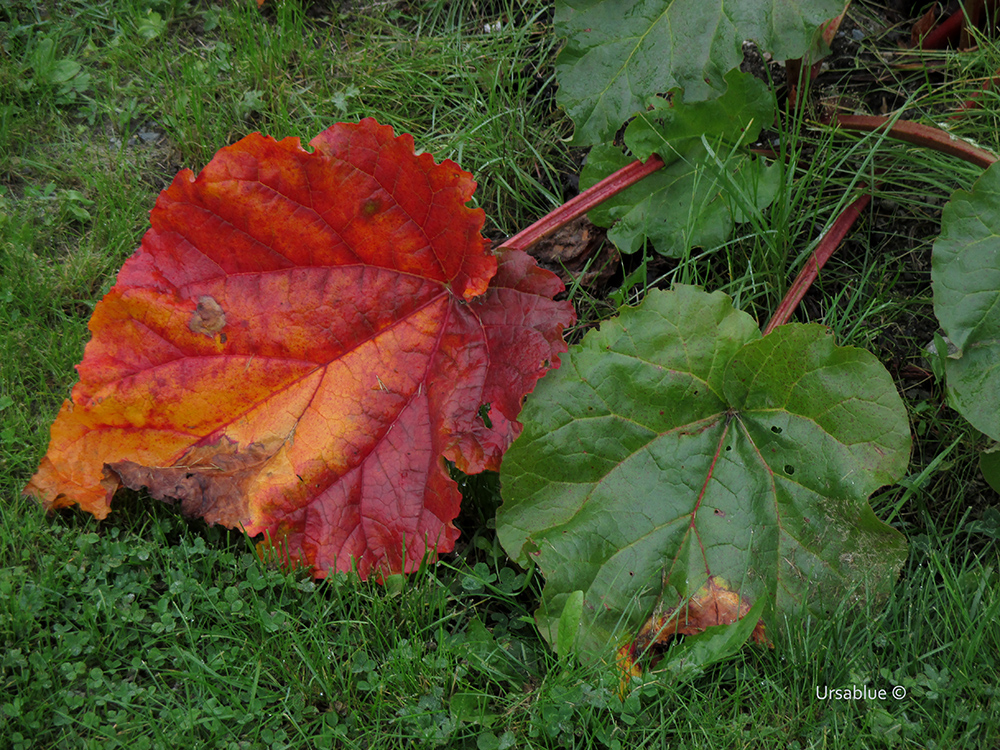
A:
[148,631]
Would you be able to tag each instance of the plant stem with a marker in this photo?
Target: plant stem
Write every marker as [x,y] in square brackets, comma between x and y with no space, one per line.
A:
[921,135]
[592,196]
[938,37]
[911,132]
[826,248]
[973,101]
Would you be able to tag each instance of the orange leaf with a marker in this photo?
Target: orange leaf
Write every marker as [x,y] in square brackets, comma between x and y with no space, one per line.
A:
[299,343]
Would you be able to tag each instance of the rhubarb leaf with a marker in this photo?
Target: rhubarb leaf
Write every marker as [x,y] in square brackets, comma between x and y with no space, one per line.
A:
[676,207]
[621,53]
[708,181]
[673,123]
[965,272]
[989,464]
[677,457]
[299,343]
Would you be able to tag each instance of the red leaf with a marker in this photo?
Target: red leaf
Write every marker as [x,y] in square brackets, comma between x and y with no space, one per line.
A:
[299,342]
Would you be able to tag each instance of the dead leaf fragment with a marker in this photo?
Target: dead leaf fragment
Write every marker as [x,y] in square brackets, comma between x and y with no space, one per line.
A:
[206,481]
[714,604]
[923,25]
[578,252]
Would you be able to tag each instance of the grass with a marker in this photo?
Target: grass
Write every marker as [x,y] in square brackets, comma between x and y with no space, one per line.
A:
[146,630]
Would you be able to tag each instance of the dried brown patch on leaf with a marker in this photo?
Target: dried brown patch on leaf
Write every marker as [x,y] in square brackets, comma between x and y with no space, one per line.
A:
[714,604]
[210,482]
[208,317]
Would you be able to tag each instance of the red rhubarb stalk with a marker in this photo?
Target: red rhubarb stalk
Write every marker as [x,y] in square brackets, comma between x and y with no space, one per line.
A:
[973,101]
[592,196]
[826,248]
[938,37]
[921,135]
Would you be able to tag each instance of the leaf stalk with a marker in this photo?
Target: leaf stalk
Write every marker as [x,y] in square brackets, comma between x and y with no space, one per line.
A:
[585,201]
[826,248]
[920,135]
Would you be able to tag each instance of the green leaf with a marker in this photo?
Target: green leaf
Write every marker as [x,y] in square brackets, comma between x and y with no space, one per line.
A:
[620,53]
[965,271]
[685,204]
[43,59]
[569,624]
[675,208]
[472,707]
[989,524]
[675,445]
[64,70]
[989,464]
[151,26]
[673,123]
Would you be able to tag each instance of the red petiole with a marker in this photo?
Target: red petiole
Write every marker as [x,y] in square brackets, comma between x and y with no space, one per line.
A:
[593,196]
[911,132]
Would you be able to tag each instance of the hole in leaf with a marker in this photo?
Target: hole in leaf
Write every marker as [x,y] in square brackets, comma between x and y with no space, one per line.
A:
[789,469]
[775,429]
